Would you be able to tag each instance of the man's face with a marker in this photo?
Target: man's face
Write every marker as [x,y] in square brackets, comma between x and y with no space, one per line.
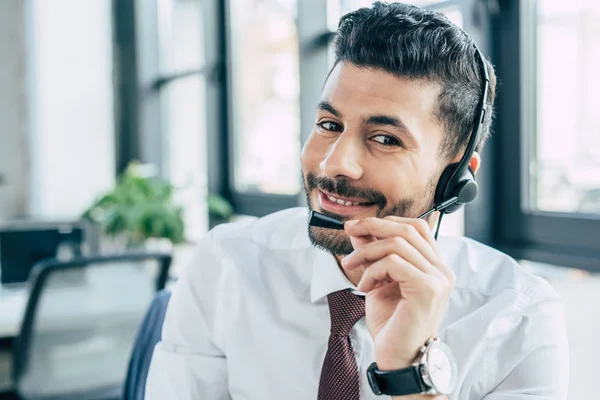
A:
[374,148]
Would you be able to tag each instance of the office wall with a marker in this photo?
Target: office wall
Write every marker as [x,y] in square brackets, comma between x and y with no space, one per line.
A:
[13,111]
[71,121]
[57,139]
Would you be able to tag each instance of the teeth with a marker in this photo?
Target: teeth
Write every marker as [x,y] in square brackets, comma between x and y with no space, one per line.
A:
[342,202]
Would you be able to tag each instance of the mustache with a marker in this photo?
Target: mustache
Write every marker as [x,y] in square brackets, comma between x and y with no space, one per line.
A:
[343,188]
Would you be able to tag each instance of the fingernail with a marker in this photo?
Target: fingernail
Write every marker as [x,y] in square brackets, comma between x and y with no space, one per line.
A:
[351,223]
[359,286]
[346,259]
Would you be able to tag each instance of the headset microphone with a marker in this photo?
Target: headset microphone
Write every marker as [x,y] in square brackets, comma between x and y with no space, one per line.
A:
[439,207]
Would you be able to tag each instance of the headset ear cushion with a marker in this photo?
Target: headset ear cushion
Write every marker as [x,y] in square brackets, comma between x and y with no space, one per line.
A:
[467,192]
[463,186]
[442,186]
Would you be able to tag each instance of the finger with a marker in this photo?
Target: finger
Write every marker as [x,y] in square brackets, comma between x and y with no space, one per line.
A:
[393,268]
[386,227]
[359,242]
[377,250]
[411,231]
[419,224]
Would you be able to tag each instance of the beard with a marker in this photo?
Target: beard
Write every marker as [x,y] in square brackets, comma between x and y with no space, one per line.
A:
[338,242]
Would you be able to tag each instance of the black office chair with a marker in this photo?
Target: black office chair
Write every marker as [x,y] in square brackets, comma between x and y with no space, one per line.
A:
[80,323]
[148,336]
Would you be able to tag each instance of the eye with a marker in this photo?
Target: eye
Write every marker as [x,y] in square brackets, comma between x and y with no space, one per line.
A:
[386,140]
[330,126]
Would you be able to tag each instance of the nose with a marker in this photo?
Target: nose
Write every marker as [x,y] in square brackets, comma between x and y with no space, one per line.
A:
[343,158]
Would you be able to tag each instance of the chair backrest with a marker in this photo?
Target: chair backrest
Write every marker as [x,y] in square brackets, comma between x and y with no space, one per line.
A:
[81,320]
[148,336]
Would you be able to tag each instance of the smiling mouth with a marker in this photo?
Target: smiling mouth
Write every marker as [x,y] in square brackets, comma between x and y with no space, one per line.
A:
[347,203]
[330,201]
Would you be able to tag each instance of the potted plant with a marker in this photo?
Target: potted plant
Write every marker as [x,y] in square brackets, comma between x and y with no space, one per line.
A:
[138,210]
[219,210]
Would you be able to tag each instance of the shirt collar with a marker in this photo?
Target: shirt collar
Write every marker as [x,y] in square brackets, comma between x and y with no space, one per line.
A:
[327,277]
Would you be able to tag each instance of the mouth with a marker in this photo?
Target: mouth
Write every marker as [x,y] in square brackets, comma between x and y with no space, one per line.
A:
[342,205]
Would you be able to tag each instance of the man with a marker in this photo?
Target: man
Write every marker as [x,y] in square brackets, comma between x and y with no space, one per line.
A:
[268,311]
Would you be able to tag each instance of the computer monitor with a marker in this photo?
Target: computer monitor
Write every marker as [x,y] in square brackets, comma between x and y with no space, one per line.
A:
[23,245]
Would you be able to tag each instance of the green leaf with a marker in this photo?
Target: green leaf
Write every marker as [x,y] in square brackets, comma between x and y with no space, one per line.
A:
[139,207]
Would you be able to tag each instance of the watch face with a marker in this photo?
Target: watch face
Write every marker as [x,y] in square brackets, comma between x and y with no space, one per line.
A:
[441,368]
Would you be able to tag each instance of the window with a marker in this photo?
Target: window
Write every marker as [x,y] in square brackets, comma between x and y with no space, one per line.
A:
[547,132]
[265,108]
[182,106]
[161,80]
[564,157]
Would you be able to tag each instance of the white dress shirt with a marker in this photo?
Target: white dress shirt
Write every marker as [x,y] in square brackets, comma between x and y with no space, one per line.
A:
[249,320]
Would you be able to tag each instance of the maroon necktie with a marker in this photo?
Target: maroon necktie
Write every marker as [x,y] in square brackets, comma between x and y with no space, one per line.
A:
[339,376]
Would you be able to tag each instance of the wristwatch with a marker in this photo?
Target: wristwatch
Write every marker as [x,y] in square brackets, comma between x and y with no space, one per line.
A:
[433,373]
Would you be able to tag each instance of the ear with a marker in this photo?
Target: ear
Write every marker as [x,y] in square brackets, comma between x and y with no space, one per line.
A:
[475,162]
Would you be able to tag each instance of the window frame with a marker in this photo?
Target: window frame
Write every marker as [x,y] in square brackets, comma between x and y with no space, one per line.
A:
[567,239]
[139,83]
[244,203]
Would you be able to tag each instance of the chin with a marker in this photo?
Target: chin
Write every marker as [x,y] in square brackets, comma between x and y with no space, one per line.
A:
[335,242]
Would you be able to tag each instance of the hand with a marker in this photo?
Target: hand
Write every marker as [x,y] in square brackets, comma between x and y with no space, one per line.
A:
[406,282]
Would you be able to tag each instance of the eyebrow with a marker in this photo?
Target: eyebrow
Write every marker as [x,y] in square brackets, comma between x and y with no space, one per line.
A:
[373,119]
[326,106]
[386,120]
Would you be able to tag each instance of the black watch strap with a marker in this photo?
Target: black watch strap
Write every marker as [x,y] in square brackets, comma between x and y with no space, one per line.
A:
[399,382]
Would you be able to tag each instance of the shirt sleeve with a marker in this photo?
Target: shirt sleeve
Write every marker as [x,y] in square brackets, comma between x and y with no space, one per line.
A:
[189,362]
[533,363]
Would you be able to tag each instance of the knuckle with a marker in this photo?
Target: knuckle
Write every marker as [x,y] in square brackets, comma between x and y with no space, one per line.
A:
[452,279]
[422,224]
[428,293]
[399,241]
[410,230]
[393,258]
[434,289]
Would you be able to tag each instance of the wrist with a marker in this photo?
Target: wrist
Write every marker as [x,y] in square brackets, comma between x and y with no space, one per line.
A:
[386,363]
[392,365]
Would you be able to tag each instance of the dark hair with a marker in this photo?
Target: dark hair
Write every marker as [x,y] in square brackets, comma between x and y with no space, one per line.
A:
[412,42]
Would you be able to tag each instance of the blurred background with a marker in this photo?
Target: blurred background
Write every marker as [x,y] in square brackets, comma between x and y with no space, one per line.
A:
[129,128]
